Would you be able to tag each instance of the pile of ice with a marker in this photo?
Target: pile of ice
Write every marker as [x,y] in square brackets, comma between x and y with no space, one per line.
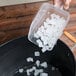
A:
[37,69]
[49,32]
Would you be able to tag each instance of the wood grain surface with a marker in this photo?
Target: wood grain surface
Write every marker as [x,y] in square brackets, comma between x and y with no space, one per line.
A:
[15,21]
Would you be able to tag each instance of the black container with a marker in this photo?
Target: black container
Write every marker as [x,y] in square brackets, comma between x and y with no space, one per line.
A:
[13,56]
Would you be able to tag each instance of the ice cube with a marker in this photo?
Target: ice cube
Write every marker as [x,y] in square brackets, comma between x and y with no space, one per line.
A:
[28,72]
[37,53]
[44,64]
[29,59]
[43,74]
[21,70]
[44,49]
[38,63]
[36,73]
[40,44]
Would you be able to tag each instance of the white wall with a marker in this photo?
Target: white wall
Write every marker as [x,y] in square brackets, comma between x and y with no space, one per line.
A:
[13,2]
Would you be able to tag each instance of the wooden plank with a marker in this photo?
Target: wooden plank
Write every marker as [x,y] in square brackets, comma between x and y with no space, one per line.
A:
[71,29]
[13,15]
[19,10]
[14,23]
[15,20]
[12,34]
[24,9]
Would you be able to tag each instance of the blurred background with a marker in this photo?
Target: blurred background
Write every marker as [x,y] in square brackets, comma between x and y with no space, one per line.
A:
[16,17]
[11,2]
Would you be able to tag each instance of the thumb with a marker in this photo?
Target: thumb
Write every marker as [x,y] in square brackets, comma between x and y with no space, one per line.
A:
[59,3]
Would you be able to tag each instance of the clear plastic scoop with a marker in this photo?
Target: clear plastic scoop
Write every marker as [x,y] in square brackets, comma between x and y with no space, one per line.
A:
[48,26]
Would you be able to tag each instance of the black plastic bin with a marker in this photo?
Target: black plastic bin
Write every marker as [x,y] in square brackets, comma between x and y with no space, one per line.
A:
[13,56]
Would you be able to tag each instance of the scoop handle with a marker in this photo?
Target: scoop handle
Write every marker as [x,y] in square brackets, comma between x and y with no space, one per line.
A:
[72,38]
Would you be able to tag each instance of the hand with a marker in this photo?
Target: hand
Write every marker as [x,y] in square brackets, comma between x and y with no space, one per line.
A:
[62,3]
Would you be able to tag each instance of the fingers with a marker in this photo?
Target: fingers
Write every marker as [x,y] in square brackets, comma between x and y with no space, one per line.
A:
[67,4]
[62,3]
[58,3]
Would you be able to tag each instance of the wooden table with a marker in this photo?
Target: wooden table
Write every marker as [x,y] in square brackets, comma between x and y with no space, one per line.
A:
[15,21]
